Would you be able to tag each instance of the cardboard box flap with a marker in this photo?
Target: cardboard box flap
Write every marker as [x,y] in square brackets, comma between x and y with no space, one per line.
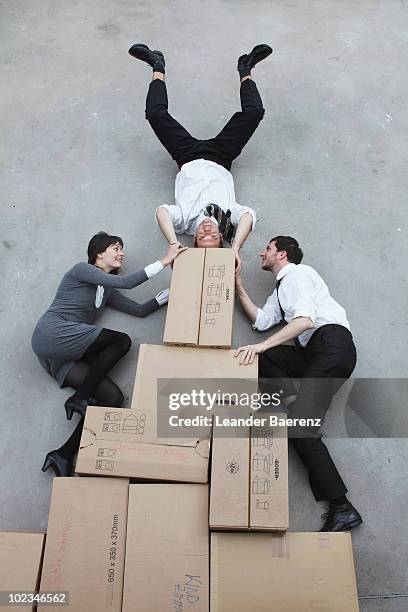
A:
[319,565]
[202,447]
[185,298]
[167,548]
[88,438]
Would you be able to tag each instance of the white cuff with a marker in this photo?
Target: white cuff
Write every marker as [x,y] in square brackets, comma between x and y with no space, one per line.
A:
[162,297]
[153,269]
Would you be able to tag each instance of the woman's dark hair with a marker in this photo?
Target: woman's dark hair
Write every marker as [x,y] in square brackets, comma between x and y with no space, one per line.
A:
[290,245]
[99,243]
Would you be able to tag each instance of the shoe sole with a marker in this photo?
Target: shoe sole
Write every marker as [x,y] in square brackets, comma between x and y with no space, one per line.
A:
[355,523]
[142,47]
[262,54]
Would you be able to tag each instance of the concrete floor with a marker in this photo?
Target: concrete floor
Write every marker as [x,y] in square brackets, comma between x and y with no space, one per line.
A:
[327,165]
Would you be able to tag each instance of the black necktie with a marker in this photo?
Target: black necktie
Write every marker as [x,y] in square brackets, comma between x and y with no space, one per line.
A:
[277,284]
[225,226]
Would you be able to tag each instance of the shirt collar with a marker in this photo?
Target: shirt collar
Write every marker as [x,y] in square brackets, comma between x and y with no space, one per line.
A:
[283,271]
[202,216]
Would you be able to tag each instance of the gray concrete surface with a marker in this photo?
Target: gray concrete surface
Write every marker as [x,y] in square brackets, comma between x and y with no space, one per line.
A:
[328,165]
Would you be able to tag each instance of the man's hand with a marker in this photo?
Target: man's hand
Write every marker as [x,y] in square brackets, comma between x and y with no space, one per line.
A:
[238,262]
[248,352]
[173,251]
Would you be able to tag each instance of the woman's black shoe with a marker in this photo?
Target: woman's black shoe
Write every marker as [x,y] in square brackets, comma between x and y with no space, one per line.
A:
[60,465]
[75,404]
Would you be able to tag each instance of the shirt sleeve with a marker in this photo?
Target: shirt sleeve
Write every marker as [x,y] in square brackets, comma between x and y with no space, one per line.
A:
[154,269]
[238,211]
[300,296]
[118,301]
[88,273]
[176,217]
[269,315]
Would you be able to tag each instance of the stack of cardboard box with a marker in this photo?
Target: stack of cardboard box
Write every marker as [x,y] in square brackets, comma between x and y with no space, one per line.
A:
[118,546]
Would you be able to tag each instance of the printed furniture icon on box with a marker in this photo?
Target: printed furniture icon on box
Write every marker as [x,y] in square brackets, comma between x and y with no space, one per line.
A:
[20,562]
[167,546]
[123,442]
[201,304]
[249,480]
[292,572]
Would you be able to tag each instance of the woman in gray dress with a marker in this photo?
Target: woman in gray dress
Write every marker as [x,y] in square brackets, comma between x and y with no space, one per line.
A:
[78,353]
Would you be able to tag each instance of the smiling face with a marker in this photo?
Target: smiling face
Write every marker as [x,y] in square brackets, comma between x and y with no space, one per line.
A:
[208,235]
[111,258]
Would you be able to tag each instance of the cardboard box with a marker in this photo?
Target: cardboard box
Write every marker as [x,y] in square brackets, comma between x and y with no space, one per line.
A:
[167,561]
[123,442]
[249,480]
[20,561]
[300,572]
[85,545]
[201,304]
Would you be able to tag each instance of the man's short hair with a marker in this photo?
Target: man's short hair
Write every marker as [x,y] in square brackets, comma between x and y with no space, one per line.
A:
[290,245]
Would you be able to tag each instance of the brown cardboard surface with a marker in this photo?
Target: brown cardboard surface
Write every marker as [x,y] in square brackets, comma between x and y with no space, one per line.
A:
[217,303]
[122,442]
[201,304]
[183,309]
[85,545]
[269,494]
[20,562]
[229,500]
[167,548]
[156,361]
[294,572]
[249,481]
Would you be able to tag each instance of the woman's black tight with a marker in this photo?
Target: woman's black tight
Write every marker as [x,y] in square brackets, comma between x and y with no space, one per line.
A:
[88,377]
[103,354]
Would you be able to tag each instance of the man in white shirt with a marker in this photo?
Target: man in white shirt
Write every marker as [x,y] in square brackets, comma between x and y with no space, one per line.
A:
[205,204]
[323,357]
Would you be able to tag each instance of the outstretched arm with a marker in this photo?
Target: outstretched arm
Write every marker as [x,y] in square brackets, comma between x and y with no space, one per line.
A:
[293,329]
[247,304]
[88,273]
[245,225]
[243,229]
[166,224]
[118,301]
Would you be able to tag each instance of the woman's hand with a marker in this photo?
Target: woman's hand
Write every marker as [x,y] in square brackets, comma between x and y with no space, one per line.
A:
[173,251]
[248,352]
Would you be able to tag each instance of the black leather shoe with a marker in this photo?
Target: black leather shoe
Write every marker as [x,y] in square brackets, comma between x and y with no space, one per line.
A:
[155,59]
[248,61]
[60,465]
[341,518]
[74,404]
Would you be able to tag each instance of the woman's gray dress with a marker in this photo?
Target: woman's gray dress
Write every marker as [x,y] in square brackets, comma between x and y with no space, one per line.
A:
[66,330]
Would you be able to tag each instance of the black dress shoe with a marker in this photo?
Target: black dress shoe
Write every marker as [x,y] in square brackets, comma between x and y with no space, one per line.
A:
[341,518]
[248,61]
[60,465]
[75,404]
[155,59]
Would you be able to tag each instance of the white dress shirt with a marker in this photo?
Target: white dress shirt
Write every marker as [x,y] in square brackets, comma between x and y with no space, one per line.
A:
[302,293]
[199,183]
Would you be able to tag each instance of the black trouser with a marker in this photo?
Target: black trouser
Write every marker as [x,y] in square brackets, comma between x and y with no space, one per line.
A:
[222,149]
[327,361]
